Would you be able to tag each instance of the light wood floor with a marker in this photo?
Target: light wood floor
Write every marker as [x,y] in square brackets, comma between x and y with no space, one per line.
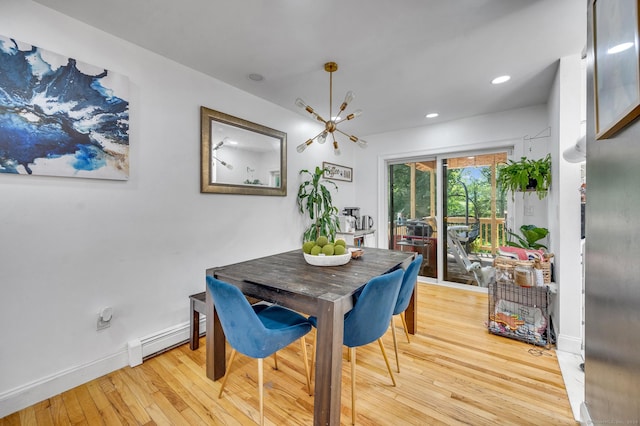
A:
[453,372]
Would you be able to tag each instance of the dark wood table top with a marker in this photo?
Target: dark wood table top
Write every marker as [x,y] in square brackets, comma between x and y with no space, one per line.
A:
[287,275]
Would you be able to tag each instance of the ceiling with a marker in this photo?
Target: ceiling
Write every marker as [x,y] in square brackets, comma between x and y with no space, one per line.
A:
[403,59]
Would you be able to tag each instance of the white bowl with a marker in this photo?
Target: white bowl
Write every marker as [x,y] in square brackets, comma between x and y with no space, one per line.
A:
[341,259]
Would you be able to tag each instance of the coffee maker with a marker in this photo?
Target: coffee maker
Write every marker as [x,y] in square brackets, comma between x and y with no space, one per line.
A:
[353,212]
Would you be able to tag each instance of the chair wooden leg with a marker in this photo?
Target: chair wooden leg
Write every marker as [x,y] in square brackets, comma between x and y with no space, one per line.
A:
[226,375]
[307,375]
[352,356]
[386,360]
[313,354]
[261,388]
[406,329]
[275,360]
[395,343]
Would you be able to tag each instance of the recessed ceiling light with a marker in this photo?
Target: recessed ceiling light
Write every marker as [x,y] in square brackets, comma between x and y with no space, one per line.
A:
[620,48]
[501,79]
[256,77]
[432,115]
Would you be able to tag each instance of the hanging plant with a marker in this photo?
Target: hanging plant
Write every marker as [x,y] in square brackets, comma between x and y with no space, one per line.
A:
[314,198]
[526,175]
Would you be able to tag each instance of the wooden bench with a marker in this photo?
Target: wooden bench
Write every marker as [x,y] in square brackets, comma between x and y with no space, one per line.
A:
[198,305]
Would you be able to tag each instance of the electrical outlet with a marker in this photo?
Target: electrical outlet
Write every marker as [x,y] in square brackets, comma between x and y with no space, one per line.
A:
[104,318]
[102,324]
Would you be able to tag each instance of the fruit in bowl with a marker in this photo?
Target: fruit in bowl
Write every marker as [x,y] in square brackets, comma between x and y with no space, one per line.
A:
[323,252]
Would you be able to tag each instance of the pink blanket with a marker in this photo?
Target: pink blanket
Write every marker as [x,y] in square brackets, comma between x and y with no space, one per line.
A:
[523,254]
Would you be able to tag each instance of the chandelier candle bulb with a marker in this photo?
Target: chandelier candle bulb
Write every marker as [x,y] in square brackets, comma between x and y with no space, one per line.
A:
[300,103]
[354,114]
[323,137]
[361,143]
[347,100]
[304,145]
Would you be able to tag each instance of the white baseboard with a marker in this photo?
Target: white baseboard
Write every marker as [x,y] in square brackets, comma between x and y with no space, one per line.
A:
[432,281]
[30,393]
[569,344]
[54,384]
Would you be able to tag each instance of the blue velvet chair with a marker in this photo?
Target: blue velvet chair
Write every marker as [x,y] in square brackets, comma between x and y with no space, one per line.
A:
[404,296]
[256,331]
[368,321]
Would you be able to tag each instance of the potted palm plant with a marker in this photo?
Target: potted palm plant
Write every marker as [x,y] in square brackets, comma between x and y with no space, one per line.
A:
[314,199]
[526,175]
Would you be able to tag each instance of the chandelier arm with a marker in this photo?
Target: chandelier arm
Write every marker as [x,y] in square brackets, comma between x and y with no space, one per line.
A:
[347,118]
[336,148]
[348,135]
[335,142]
[315,114]
[319,118]
[361,142]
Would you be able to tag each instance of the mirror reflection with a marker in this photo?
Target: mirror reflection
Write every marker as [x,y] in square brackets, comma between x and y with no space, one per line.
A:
[241,157]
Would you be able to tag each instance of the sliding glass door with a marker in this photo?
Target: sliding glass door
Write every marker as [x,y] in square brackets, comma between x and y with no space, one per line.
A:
[472,226]
[412,211]
[474,213]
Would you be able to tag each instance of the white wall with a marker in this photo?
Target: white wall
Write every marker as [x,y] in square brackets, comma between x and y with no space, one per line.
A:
[565,106]
[70,246]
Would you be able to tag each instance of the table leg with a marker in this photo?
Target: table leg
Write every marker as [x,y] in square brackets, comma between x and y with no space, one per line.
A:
[215,342]
[328,364]
[411,313]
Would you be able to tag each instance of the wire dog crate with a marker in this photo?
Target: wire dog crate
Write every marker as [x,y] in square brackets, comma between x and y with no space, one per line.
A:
[520,313]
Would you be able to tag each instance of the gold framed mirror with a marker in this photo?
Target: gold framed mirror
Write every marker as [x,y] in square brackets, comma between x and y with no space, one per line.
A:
[241,157]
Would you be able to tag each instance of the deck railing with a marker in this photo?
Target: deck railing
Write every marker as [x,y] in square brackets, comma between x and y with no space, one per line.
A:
[487,235]
[492,231]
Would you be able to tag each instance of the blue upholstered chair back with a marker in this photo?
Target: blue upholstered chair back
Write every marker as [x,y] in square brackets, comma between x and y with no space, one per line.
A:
[257,332]
[370,317]
[408,283]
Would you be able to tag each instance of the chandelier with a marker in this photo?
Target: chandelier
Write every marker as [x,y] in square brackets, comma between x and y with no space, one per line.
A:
[331,125]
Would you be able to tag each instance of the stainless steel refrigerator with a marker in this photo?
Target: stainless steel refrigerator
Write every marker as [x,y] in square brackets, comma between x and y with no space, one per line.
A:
[612,262]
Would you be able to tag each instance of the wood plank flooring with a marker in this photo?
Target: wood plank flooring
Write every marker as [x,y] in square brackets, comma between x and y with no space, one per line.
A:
[452,373]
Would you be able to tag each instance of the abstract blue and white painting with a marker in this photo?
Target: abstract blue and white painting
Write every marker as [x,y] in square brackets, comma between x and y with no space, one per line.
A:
[60,116]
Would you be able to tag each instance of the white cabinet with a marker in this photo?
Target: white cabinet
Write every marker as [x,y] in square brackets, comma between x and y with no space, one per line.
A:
[359,238]
[370,239]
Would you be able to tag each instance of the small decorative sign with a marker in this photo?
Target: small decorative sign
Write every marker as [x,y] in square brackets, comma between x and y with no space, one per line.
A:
[337,172]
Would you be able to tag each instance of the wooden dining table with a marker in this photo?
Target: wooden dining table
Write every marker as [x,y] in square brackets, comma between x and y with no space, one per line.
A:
[324,292]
